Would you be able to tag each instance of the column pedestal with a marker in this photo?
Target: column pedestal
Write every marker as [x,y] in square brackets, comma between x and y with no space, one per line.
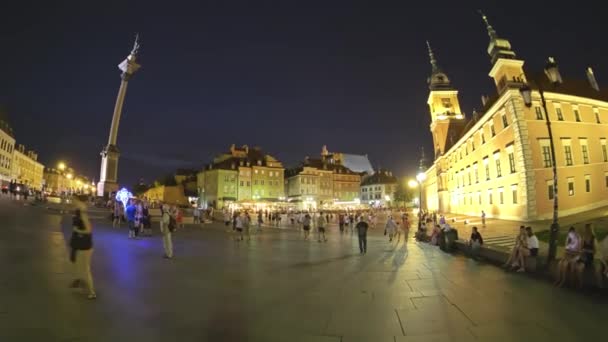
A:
[109,171]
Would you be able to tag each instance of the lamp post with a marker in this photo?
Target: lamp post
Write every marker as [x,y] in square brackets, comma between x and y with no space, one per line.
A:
[420,177]
[554,77]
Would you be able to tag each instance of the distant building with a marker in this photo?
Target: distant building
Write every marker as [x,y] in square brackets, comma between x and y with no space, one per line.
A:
[7,145]
[319,183]
[169,194]
[241,175]
[378,190]
[26,169]
[354,162]
[499,160]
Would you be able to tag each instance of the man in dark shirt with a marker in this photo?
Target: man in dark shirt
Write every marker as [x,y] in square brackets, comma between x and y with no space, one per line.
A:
[362,230]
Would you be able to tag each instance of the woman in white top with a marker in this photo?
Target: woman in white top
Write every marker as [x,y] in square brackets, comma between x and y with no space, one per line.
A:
[571,256]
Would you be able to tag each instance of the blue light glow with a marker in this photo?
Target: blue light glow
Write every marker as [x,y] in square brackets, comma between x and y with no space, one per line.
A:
[123,195]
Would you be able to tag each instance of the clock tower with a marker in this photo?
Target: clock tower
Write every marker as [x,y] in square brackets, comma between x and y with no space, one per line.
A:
[447,120]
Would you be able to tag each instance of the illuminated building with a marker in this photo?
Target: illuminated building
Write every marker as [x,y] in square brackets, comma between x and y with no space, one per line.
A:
[64,180]
[378,190]
[26,169]
[7,145]
[241,175]
[498,160]
[326,182]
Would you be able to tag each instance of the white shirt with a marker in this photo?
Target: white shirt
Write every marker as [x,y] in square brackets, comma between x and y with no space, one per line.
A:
[532,242]
[572,242]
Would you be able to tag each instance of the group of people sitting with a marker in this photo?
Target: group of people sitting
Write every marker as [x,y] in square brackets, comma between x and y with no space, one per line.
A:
[526,245]
[579,255]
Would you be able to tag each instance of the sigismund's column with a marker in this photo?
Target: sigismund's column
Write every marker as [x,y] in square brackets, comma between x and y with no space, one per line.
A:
[108,176]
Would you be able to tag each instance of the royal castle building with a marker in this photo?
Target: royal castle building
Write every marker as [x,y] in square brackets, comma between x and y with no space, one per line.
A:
[499,160]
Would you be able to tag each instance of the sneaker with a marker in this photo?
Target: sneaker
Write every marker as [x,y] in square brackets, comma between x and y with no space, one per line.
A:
[92,296]
[521,270]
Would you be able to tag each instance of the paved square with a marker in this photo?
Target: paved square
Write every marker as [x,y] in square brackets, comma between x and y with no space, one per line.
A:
[275,288]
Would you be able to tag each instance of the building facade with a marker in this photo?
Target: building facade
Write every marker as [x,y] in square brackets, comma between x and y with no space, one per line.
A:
[319,184]
[378,190]
[241,175]
[499,160]
[26,169]
[7,146]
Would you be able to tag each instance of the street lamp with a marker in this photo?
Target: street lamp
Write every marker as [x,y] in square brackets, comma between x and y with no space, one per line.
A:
[552,73]
[61,166]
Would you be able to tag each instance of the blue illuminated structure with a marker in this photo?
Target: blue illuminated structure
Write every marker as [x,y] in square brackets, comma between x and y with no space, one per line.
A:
[123,195]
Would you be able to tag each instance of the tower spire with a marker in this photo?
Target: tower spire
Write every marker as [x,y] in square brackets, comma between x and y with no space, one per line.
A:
[432,57]
[498,47]
[491,31]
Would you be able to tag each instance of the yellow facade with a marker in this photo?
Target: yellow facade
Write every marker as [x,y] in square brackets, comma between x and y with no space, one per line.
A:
[500,162]
[242,174]
[166,194]
[26,169]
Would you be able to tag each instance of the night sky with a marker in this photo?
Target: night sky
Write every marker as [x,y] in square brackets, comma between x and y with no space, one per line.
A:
[289,76]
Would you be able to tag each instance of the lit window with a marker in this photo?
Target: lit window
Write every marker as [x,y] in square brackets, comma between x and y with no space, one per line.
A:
[585,154]
[512,162]
[501,196]
[567,151]
[587,183]
[514,193]
[486,163]
[570,186]
[560,116]
[539,113]
[476,173]
[546,152]
[498,169]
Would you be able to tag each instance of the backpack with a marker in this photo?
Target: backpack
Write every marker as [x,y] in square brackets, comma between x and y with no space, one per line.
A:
[172,224]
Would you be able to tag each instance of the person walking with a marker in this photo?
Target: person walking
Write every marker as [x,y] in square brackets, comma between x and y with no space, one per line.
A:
[362,227]
[247,225]
[390,228]
[139,218]
[166,230]
[179,216]
[130,212]
[117,214]
[306,225]
[196,214]
[81,244]
[321,224]
[239,224]
[483,218]
[341,223]
[260,221]
[147,224]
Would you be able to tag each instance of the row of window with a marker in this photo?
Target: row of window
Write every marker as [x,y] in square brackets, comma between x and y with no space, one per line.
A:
[566,143]
[5,145]
[465,174]
[468,199]
[376,196]
[5,162]
[560,115]
[261,182]
[571,189]
[370,189]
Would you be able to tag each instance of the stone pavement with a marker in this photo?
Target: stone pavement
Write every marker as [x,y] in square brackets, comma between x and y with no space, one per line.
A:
[275,288]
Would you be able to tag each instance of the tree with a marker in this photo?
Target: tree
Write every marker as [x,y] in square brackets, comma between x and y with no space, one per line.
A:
[140,188]
[403,194]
